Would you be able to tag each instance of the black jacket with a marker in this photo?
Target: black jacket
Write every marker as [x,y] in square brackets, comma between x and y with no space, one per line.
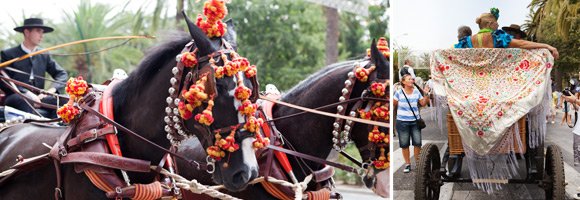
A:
[39,65]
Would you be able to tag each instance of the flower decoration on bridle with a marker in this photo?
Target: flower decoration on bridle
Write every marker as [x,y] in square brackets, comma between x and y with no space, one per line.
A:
[383,46]
[75,88]
[362,74]
[215,11]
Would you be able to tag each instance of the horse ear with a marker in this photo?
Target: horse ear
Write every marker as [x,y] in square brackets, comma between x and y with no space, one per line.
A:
[380,62]
[201,40]
[231,34]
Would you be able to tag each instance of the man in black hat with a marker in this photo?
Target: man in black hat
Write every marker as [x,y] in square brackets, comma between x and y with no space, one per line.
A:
[33,67]
[515,31]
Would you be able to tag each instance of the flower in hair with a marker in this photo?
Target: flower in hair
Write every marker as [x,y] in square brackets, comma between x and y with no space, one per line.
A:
[494,12]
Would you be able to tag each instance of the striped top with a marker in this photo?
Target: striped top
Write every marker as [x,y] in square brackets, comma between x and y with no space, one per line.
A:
[403,110]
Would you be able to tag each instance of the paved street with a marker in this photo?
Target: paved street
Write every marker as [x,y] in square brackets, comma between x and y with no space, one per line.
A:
[403,185]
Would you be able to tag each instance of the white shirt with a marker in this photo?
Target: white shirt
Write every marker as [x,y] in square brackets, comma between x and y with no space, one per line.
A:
[28,51]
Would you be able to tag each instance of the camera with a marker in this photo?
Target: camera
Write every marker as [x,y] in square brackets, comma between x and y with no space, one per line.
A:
[571,89]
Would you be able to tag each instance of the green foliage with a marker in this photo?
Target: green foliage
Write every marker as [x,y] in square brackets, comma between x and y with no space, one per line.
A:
[285,39]
[344,176]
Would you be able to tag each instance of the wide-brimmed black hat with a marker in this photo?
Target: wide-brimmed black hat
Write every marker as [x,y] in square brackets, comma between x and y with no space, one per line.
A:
[34,23]
[515,28]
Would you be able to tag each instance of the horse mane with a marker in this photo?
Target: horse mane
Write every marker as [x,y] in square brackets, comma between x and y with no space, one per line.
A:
[325,74]
[155,58]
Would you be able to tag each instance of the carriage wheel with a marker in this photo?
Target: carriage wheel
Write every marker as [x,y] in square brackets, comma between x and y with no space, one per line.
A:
[554,185]
[428,180]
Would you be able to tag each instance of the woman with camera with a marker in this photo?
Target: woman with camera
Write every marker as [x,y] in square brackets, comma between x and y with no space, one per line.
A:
[407,102]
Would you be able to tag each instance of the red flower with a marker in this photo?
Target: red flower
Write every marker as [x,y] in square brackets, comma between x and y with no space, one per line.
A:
[525,65]
[483,99]
[500,113]
[538,82]
[481,74]
[548,65]
[480,133]
[460,113]
[509,56]
[450,58]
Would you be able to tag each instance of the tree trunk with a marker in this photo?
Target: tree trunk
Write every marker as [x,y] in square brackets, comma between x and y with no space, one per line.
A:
[178,15]
[332,34]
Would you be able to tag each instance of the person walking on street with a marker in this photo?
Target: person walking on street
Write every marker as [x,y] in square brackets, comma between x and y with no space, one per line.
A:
[407,102]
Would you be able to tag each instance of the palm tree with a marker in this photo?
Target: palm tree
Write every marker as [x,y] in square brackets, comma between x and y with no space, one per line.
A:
[566,12]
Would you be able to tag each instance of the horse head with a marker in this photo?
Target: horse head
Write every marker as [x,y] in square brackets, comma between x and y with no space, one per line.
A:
[229,139]
[375,178]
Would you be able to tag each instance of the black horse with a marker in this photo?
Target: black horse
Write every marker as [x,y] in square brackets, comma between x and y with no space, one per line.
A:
[311,133]
[139,104]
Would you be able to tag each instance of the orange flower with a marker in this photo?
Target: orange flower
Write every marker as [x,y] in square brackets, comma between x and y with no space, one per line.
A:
[67,112]
[382,162]
[253,124]
[260,142]
[376,136]
[76,87]
[378,89]
[185,110]
[189,59]
[364,114]
[362,74]
[215,153]
[242,92]
[196,93]
[251,71]
[381,111]
[247,108]
[206,117]
[229,143]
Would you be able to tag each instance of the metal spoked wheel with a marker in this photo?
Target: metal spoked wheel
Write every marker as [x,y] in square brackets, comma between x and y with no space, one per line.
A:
[553,180]
[428,179]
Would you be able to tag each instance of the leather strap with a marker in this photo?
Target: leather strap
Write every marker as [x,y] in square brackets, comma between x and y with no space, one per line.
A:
[197,164]
[90,135]
[315,159]
[107,160]
[323,174]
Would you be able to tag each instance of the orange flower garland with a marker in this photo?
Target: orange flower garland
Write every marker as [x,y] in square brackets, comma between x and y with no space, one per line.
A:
[376,136]
[260,142]
[67,112]
[253,124]
[383,46]
[215,152]
[196,93]
[251,71]
[362,74]
[382,162]
[228,144]
[206,117]
[378,89]
[185,110]
[247,108]
[214,11]
[381,112]
[242,92]
[189,59]
[76,87]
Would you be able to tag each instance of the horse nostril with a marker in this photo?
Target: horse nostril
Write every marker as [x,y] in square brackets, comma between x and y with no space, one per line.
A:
[241,177]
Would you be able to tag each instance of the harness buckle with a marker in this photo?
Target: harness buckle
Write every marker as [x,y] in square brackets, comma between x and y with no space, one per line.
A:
[62,151]
[210,165]
[94,136]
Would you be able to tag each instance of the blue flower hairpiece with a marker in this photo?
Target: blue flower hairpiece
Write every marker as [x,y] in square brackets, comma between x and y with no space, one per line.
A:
[494,12]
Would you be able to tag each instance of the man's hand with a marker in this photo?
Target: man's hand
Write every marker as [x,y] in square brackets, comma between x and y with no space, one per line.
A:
[35,98]
[50,90]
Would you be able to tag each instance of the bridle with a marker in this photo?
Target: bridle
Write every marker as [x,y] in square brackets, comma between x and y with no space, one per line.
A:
[204,69]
